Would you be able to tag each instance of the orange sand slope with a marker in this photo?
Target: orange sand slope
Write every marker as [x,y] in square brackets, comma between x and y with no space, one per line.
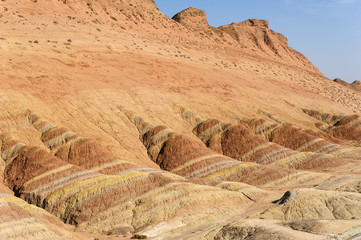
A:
[117,122]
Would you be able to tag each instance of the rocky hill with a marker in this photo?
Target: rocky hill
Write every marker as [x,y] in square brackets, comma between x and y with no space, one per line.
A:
[117,121]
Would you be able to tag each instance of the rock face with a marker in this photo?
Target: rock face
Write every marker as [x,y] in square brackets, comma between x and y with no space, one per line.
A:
[192,18]
[256,33]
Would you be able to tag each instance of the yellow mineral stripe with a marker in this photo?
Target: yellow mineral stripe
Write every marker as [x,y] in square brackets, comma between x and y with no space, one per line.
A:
[299,178]
[188,194]
[194,161]
[12,199]
[60,183]
[285,161]
[199,173]
[26,228]
[21,147]
[329,148]
[157,138]
[209,132]
[48,173]
[254,150]
[55,149]
[230,171]
[107,165]
[59,139]
[111,215]
[271,156]
[260,128]
[145,128]
[238,186]
[47,126]
[6,154]
[342,151]
[308,144]
[268,131]
[74,188]
[97,189]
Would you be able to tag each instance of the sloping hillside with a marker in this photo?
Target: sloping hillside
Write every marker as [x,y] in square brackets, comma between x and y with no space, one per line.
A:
[118,121]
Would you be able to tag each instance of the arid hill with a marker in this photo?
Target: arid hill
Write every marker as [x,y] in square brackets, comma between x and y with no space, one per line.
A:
[117,121]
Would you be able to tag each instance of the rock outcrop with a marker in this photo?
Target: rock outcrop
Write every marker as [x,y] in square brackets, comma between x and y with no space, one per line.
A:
[192,18]
[339,126]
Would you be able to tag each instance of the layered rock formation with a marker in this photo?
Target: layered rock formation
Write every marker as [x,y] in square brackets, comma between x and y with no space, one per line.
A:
[340,126]
[241,159]
[238,142]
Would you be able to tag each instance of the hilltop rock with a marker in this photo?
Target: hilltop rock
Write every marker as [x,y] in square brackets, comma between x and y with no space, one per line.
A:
[356,85]
[256,23]
[192,18]
[256,32]
[340,81]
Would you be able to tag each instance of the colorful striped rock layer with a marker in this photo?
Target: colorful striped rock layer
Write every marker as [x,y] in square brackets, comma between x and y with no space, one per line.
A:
[339,126]
[95,201]
[94,144]
[185,156]
[301,140]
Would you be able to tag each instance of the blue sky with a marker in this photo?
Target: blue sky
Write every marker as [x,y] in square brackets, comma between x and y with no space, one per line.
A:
[328,32]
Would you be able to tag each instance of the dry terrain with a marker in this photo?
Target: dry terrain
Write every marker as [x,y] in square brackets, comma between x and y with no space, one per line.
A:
[117,122]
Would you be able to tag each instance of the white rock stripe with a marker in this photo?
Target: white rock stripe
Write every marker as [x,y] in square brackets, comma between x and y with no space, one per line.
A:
[157,138]
[210,131]
[107,165]
[194,161]
[145,170]
[48,173]
[55,185]
[346,151]
[293,159]
[270,156]
[6,154]
[308,144]
[59,139]
[256,149]
[211,169]
[3,195]
[261,128]
[329,148]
